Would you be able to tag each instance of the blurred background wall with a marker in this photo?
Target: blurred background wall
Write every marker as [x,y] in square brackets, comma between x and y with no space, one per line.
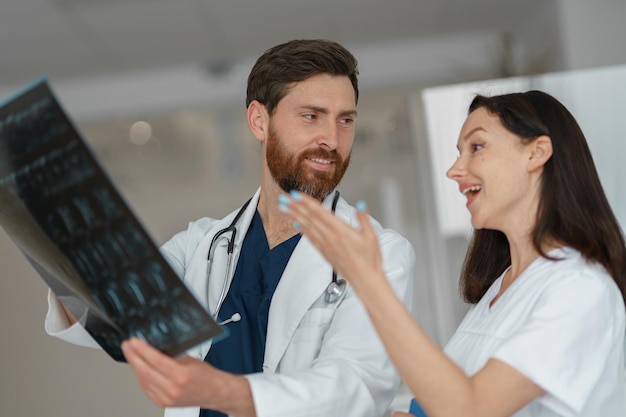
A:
[157,89]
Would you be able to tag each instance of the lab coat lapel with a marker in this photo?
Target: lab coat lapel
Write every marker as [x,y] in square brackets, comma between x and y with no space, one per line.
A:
[304,280]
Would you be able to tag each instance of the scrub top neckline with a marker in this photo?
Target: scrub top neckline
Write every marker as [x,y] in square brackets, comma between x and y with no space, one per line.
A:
[497,284]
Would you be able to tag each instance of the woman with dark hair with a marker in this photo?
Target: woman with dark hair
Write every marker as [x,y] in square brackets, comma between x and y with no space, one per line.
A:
[545,272]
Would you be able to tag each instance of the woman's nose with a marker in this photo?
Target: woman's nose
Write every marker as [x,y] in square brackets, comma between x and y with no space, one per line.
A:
[456,170]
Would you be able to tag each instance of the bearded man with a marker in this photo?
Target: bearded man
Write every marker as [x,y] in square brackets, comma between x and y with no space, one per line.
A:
[299,341]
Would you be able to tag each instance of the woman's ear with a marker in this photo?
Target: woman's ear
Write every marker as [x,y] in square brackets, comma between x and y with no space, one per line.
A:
[540,152]
[258,120]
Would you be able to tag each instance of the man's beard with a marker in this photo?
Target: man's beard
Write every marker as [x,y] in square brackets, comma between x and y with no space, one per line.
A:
[291,173]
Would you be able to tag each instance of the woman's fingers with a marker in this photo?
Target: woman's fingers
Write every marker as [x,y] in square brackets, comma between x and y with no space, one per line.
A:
[314,220]
[352,250]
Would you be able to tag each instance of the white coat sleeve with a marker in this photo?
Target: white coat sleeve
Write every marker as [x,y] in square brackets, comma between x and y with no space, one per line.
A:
[57,325]
[352,376]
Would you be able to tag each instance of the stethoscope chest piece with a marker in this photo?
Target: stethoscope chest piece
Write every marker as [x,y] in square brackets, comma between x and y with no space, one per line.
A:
[335,290]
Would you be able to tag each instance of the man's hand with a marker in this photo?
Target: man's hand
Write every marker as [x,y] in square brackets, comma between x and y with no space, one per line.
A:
[185,381]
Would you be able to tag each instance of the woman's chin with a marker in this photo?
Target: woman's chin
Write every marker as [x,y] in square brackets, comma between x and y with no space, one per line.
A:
[477,224]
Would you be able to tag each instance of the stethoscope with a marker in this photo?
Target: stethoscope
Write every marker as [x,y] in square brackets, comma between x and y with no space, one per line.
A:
[337,287]
[333,291]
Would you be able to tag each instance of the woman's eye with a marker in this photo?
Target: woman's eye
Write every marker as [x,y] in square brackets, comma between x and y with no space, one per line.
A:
[477,147]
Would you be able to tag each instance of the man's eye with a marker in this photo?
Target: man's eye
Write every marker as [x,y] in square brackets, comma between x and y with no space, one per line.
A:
[310,116]
[347,120]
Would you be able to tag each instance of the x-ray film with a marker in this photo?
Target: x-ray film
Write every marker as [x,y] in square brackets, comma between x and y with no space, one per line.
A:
[60,208]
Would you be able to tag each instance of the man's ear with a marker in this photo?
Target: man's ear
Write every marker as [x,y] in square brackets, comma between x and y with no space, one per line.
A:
[540,152]
[258,120]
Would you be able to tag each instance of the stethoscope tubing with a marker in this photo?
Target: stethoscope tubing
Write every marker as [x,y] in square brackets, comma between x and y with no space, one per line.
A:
[229,253]
[333,292]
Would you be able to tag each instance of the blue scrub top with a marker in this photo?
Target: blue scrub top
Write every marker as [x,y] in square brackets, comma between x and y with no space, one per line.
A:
[257,274]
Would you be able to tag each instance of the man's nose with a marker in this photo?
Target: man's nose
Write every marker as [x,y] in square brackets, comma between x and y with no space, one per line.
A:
[329,137]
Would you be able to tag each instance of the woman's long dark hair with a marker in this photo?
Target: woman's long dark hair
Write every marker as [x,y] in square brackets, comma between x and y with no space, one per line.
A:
[573,208]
